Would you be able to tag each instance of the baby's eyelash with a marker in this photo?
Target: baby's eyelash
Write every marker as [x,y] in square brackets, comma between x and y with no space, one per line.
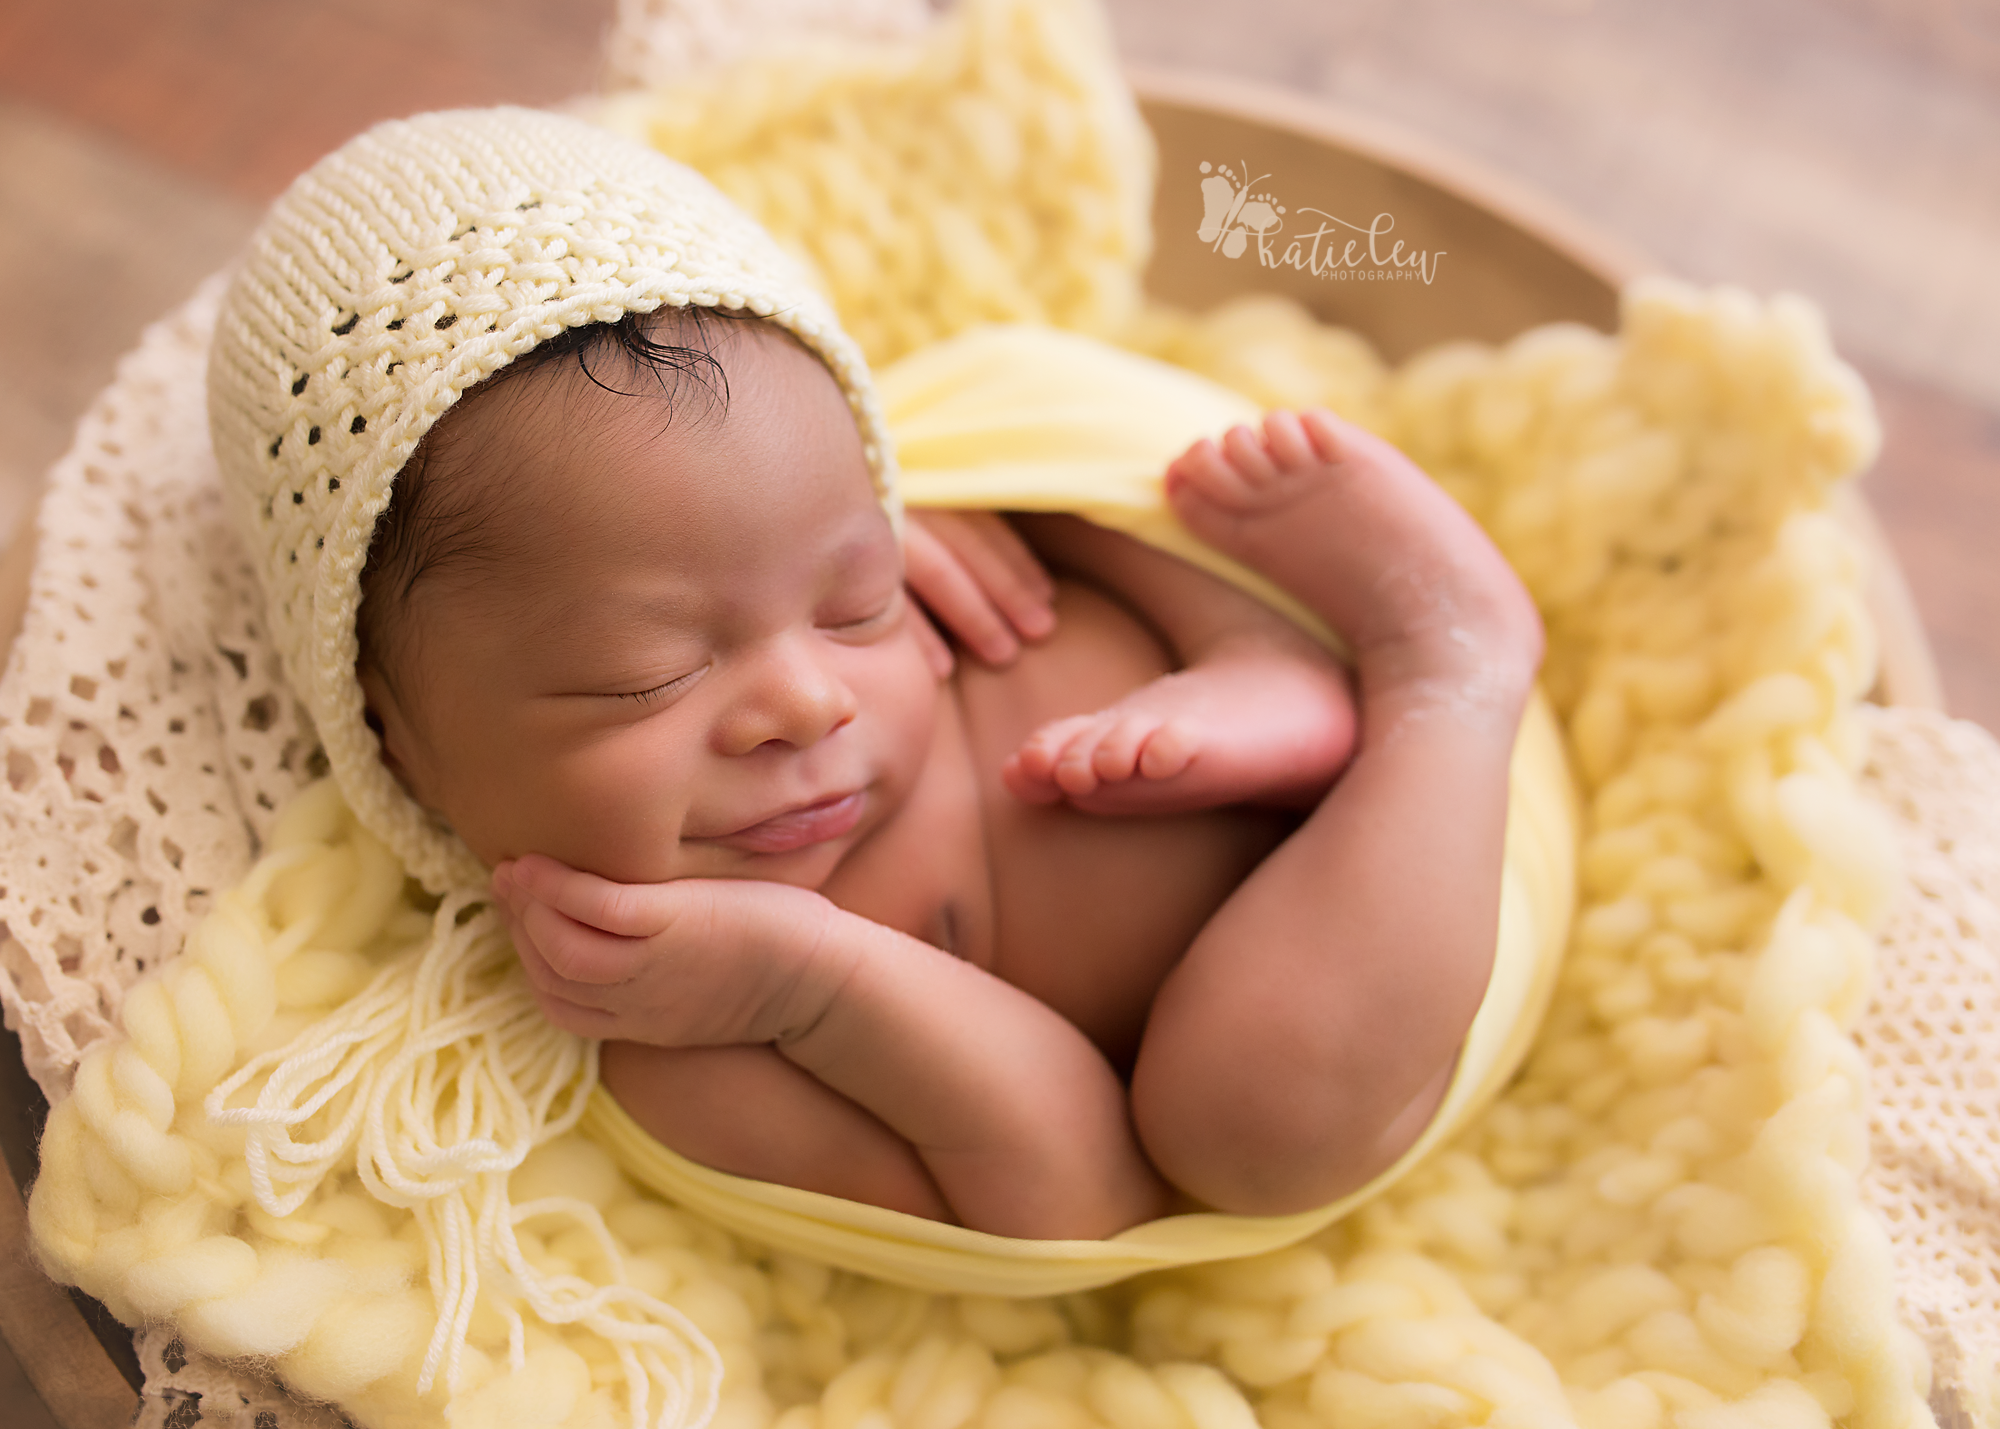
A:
[646,697]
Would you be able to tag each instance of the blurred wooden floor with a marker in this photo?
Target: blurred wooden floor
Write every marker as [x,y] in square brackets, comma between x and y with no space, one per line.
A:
[1847,149]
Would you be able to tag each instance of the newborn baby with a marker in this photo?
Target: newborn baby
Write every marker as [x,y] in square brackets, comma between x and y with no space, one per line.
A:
[1127,913]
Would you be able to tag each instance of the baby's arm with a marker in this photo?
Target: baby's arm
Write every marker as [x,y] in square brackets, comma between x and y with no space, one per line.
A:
[1023,1129]
[1259,712]
[746,1110]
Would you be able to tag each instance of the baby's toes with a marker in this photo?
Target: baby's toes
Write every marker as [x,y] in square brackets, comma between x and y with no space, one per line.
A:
[1169,749]
[1045,747]
[1029,773]
[1204,473]
[1247,453]
[1285,437]
[1116,757]
[1324,431]
[1076,772]
[1028,786]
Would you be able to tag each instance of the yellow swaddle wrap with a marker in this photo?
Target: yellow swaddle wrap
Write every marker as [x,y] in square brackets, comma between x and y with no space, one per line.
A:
[1021,417]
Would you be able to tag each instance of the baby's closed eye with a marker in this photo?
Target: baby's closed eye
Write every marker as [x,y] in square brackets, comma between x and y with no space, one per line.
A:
[862,616]
[661,691]
[645,682]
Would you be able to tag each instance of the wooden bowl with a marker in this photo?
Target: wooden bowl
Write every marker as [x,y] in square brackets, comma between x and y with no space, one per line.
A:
[1503,261]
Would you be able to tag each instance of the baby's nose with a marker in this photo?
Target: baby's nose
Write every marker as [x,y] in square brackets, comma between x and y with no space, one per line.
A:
[790,695]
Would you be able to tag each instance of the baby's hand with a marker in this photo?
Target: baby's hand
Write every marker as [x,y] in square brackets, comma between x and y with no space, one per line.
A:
[979,579]
[698,962]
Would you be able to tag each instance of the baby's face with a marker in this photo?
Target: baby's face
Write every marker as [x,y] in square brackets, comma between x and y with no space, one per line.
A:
[684,651]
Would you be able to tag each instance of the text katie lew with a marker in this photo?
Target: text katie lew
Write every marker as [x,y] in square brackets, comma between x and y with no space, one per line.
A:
[1321,262]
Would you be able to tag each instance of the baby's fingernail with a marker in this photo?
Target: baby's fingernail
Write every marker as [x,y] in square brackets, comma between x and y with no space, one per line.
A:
[1038,622]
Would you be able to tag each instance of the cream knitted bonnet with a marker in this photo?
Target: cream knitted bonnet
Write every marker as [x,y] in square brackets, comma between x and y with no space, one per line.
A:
[394,275]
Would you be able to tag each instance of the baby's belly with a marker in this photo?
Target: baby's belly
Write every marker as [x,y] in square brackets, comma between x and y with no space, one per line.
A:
[1092,912]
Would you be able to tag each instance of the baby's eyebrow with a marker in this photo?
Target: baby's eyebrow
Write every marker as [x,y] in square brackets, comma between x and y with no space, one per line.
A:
[554,623]
[674,608]
[625,615]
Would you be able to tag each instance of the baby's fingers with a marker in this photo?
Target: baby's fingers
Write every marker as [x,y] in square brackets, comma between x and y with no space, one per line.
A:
[632,910]
[1006,568]
[979,577]
[949,591]
[575,1018]
[573,960]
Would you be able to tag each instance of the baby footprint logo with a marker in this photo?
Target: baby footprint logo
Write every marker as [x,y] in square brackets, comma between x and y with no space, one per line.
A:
[1231,213]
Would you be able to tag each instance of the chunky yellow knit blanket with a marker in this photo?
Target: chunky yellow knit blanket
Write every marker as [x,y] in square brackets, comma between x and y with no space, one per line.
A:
[1656,1224]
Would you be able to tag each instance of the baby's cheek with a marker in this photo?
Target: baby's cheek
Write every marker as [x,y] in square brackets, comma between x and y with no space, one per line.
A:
[613,808]
[902,692]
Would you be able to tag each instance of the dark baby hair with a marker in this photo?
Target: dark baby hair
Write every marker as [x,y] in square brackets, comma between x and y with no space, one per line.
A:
[430,523]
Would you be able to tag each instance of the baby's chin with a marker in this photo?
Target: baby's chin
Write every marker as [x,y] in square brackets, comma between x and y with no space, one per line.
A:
[810,868]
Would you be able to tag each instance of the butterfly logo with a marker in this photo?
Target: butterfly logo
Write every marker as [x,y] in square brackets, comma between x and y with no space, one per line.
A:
[1231,213]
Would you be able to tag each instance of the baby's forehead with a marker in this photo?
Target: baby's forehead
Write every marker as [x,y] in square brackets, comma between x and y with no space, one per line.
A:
[667,375]
[690,361]
[624,421]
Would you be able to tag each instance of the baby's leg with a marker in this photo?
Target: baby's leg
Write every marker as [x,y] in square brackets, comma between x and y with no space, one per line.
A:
[1260,713]
[1304,1040]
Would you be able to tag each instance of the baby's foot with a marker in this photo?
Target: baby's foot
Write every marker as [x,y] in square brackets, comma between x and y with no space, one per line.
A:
[1349,525]
[1254,724]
